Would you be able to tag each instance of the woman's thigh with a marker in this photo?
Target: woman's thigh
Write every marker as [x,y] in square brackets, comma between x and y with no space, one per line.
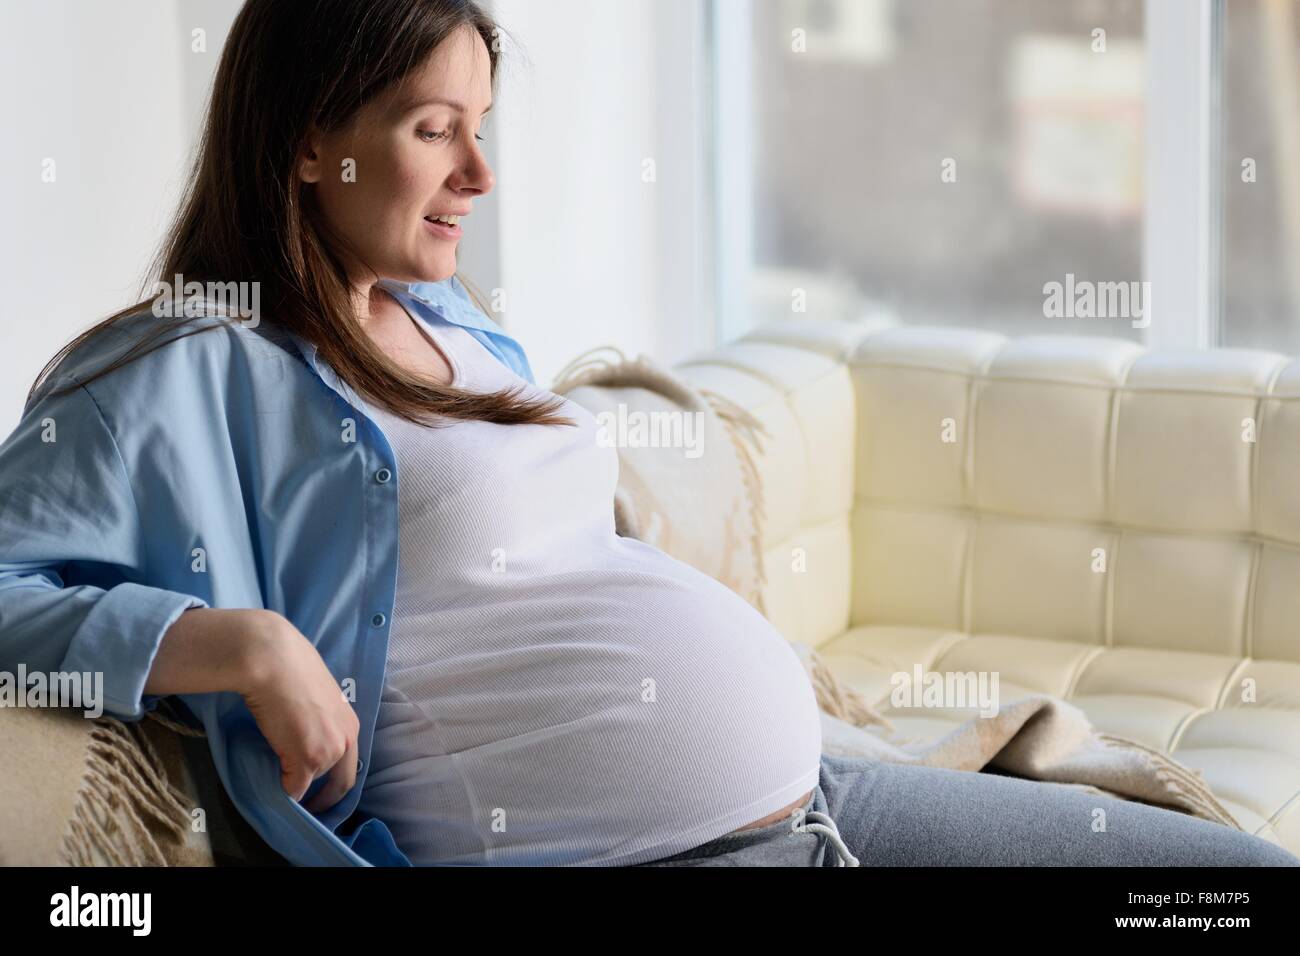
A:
[891,814]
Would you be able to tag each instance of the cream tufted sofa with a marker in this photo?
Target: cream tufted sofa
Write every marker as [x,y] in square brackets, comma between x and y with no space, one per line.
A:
[887,546]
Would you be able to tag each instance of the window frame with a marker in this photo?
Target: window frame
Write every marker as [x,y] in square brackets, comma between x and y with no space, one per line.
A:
[1182,244]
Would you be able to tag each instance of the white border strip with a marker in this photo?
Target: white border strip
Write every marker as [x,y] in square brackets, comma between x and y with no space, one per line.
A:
[1183,205]
[732,32]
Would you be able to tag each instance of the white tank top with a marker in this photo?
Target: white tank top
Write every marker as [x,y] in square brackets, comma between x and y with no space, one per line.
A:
[557,694]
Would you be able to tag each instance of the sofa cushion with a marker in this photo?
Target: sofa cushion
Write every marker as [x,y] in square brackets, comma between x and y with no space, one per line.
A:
[1116,526]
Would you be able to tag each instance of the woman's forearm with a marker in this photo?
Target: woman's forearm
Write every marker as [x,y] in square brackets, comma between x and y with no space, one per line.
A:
[211,649]
[299,707]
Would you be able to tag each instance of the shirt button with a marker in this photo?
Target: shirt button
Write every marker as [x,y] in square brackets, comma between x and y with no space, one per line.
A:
[360,763]
[378,620]
[383,475]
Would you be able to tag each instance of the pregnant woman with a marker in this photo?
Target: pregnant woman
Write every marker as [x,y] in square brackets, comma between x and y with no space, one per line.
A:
[378,563]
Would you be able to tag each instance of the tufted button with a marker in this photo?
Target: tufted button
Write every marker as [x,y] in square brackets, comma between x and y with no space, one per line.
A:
[378,620]
[383,476]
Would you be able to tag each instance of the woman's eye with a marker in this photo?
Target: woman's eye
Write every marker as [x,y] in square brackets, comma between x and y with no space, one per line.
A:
[433,136]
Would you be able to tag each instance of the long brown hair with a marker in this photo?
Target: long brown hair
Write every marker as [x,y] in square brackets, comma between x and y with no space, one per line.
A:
[247,217]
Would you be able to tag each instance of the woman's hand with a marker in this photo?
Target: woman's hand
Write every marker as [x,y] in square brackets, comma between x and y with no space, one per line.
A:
[301,711]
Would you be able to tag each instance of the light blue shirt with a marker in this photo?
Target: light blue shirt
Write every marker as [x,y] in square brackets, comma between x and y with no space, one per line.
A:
[227,469]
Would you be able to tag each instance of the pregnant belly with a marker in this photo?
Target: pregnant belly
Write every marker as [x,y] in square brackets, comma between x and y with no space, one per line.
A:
[630,705]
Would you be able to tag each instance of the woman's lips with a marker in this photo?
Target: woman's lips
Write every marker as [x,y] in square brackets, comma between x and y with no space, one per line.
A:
[440,230]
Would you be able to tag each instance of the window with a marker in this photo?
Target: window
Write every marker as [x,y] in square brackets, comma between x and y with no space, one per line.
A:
[1026,167]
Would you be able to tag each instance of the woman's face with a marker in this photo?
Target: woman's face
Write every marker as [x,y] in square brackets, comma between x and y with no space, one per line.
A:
[407,157]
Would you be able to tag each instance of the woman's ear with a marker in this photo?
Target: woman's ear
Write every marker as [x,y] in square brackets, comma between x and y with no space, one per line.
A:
[310,167]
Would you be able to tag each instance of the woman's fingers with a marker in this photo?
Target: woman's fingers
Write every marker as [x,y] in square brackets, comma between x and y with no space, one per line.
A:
[296,781]
[342,778]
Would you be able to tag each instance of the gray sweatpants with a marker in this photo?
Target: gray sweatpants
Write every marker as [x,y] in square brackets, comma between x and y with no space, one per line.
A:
[889,814]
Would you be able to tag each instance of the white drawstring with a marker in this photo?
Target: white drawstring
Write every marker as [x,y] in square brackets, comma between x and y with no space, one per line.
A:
[830,831]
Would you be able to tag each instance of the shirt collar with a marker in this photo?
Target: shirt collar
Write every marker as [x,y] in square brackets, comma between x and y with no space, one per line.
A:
[448,299]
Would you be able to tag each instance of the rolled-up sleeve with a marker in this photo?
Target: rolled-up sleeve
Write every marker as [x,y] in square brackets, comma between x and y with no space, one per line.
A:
[73,558]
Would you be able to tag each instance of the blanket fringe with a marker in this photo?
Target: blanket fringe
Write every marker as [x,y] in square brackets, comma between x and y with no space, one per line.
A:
[642,372]
[744,431]
[839,700]
[124,786]
[1187,786]
[584,367]
[185,730]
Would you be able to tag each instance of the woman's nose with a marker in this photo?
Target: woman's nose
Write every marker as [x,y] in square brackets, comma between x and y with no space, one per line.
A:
[475,174]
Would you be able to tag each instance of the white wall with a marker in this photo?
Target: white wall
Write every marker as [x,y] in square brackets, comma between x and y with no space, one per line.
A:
[590,254]
[79,80]
[586,252]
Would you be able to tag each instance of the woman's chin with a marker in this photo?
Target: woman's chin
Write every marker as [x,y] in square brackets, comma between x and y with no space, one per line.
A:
[435,271]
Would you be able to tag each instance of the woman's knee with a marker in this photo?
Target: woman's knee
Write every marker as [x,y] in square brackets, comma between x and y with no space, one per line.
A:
[1239,848]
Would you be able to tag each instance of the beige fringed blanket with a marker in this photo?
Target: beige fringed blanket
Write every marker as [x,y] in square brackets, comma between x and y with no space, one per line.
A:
[79,792]
[710,516]
[1036,736]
